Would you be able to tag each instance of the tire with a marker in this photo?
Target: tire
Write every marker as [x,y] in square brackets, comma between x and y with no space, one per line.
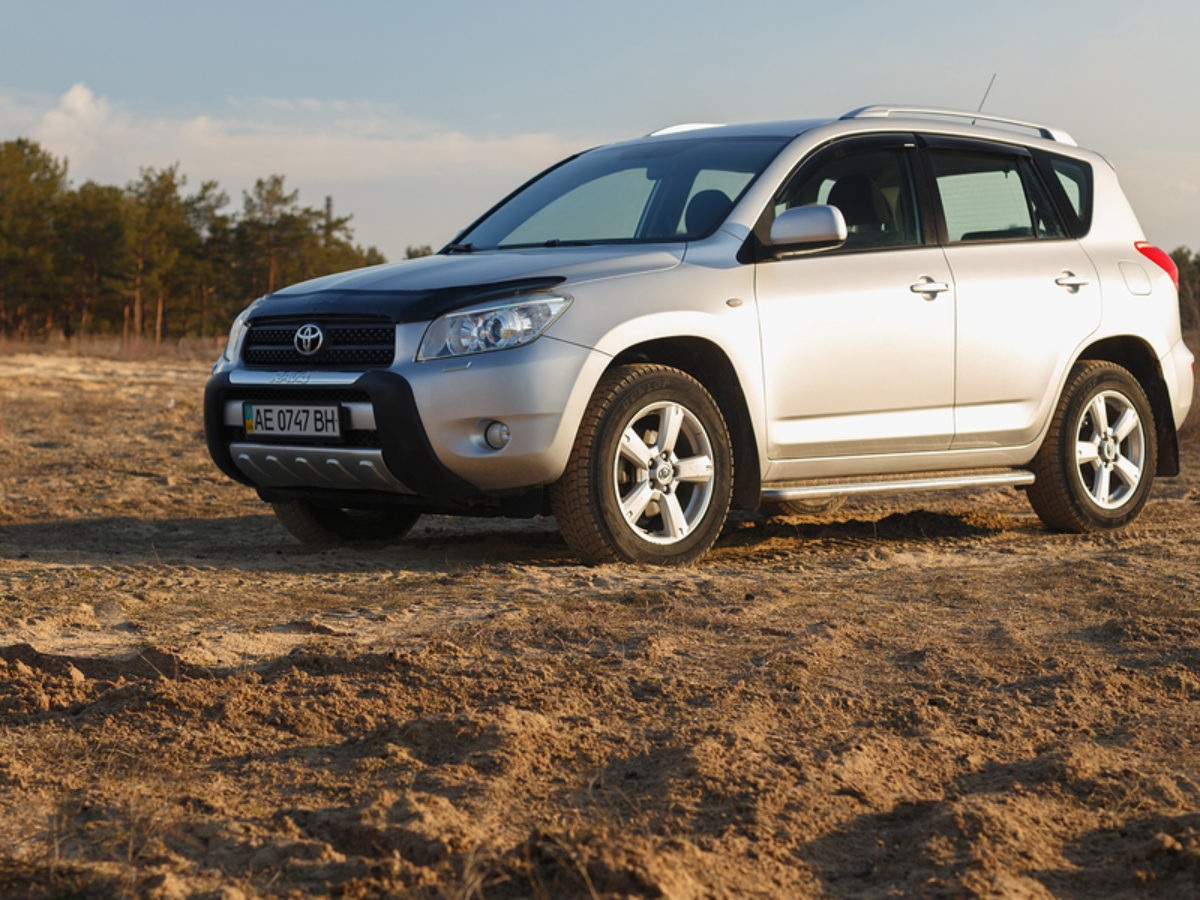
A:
[817,506]
[1096,466]
[636,491]
[329,526]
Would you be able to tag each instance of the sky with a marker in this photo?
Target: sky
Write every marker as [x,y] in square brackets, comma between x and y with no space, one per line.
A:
[415,118]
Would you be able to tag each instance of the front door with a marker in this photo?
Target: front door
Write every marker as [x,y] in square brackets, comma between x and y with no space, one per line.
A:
[858,342]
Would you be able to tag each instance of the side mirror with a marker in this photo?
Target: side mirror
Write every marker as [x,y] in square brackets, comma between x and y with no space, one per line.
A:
[804,229]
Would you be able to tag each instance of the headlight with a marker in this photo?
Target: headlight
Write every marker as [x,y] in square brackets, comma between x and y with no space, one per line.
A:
[236,332]
[496,327]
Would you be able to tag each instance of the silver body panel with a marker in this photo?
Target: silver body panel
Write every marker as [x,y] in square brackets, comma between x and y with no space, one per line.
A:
[1017,332]
[891,390]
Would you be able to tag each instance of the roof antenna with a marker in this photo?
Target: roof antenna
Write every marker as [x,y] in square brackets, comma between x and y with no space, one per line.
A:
[985,95]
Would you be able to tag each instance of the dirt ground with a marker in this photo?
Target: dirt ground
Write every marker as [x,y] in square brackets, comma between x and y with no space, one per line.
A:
[928,695]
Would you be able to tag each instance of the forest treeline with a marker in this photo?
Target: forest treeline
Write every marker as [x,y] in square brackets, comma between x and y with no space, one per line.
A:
[150,260]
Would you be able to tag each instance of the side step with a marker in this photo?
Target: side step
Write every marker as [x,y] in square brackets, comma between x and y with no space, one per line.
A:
[894,484]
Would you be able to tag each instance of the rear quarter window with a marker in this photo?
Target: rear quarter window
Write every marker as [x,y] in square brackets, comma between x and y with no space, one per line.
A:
[1071,179]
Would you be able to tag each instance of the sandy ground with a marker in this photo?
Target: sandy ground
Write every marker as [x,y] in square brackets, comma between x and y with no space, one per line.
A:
[923,696]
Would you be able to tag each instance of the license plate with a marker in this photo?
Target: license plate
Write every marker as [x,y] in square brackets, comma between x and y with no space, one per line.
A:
[270,420]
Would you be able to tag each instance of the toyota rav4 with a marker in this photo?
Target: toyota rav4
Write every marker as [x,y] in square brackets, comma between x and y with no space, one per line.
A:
[652,332]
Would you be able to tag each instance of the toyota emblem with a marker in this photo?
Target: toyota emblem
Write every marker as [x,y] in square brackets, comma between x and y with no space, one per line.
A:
[308,339]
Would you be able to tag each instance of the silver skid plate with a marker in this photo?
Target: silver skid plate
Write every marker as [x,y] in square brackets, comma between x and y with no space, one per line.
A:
[274,465]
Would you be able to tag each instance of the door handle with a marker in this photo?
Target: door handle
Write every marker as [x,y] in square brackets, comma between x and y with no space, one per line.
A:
[929,287]
[1070,281]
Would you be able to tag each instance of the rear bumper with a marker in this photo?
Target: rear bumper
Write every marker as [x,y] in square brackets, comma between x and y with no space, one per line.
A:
[1177,372]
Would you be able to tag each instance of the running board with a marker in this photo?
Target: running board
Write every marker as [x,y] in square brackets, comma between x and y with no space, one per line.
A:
[934,481]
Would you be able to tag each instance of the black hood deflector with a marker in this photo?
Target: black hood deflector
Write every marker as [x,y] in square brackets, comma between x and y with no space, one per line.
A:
[396,306]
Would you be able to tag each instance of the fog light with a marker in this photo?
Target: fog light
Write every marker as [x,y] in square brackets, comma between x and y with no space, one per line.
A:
[497,435]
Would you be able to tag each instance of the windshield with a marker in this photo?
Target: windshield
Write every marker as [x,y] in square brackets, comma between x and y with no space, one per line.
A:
[669,190]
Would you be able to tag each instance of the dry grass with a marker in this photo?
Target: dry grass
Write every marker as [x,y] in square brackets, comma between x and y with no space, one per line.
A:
[187,349]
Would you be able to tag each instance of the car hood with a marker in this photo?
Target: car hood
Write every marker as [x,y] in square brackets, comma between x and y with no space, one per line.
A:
[419,289]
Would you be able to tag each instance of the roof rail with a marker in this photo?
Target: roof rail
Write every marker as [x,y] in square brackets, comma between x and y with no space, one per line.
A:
[883,112]
[687,126]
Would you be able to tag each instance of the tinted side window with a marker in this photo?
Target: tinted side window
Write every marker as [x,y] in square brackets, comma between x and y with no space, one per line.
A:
[872,188]
[1048,223]
[993,197]
[1075,178]
[983,197]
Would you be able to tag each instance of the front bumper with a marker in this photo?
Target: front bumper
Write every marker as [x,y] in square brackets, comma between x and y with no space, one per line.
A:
[415,430]
[403,459]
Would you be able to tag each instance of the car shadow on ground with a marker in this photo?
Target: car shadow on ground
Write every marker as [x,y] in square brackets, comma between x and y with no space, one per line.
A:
[259,543]
[437,542]
[914,528]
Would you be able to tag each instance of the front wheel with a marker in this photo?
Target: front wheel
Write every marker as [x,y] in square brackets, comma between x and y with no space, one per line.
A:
[1096,466]
[328,526]
[650,476]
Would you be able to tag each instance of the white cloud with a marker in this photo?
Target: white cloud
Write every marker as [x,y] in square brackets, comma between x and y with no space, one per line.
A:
[410,181]
[78,125]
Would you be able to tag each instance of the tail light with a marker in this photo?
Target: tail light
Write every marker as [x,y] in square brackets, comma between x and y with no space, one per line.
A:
[1160,259]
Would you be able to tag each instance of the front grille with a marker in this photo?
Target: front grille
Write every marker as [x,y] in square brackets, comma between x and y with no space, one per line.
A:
[346,345]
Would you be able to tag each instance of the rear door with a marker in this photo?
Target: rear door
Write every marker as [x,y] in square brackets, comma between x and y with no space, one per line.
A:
[1027,294]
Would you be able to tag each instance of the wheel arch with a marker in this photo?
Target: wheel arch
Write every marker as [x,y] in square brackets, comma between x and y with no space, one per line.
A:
[1138,357]
[709,365]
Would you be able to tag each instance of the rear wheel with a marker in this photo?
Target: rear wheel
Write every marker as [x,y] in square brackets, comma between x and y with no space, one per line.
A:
[1095,468]
[650,476]
[328,526]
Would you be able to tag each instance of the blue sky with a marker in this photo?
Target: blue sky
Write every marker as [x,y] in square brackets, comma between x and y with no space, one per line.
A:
[417,117]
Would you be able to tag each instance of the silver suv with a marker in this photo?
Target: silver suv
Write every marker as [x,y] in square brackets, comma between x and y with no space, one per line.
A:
[651,332]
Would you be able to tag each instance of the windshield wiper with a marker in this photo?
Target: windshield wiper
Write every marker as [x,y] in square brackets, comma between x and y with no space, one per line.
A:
[553,242]
[459,248]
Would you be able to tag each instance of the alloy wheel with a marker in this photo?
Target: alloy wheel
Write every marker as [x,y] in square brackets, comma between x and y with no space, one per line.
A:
[1110,449]
[663,472]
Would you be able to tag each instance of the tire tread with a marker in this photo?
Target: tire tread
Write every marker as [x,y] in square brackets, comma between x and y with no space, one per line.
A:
[1049,495]
[573,498]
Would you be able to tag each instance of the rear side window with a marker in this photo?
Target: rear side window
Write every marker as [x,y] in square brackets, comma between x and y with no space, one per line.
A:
[991,197]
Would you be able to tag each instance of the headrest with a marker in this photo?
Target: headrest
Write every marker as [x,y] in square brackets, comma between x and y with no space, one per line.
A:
[860,201]
[705,210]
